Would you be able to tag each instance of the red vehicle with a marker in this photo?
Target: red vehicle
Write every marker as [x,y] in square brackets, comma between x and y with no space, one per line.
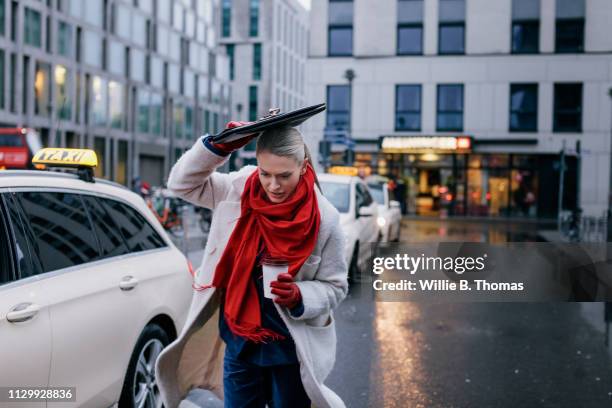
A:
[17,146]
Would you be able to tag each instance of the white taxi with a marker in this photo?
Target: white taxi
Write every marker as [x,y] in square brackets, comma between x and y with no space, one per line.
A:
[358,214]
[389,214]
[91,287]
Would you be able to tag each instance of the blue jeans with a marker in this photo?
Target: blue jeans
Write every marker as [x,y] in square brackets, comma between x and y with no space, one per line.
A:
[247,385]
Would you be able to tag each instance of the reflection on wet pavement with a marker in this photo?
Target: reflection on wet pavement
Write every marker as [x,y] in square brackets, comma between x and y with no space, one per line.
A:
[398,360]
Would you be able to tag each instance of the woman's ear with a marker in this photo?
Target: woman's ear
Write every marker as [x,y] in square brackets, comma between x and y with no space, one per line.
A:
[304,164]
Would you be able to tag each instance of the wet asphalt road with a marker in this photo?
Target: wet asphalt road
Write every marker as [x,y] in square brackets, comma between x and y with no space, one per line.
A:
[407,354]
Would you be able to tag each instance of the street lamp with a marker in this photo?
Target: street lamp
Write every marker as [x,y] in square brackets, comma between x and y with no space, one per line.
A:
[350,75]
[609,213]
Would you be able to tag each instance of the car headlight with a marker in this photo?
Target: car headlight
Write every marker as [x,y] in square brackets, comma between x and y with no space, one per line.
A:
[381,221]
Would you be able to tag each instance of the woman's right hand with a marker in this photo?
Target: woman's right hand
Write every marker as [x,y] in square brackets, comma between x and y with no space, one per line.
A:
[236,144]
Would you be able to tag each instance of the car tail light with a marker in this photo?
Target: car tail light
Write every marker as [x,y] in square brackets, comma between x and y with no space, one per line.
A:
[16,159]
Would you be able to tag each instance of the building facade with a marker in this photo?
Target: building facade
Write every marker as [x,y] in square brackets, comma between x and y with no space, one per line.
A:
[266,43]
[475,107]
[137,81]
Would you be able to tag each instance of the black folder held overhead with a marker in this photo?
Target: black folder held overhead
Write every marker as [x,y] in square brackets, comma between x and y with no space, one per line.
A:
[272,120]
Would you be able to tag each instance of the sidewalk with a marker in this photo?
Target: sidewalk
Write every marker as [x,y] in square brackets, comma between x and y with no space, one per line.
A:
[552,236]
[482,219]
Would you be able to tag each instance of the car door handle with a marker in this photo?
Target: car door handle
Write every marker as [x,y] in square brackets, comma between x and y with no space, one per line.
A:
[128,283]
[22,312]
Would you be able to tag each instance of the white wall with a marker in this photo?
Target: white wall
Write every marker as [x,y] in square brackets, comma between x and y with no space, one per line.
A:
[488,26]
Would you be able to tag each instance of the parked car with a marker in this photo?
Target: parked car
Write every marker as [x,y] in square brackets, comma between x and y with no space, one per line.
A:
[358,214]
[389,213]
[91,287]
[17,147]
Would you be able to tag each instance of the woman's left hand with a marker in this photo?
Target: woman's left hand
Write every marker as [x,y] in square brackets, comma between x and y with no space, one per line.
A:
[287,292]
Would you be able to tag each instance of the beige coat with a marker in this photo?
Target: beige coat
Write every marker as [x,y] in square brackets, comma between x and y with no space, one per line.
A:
[195,358]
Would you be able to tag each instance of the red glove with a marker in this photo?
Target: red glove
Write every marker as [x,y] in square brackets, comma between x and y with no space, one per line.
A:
[287,292]
[236,144]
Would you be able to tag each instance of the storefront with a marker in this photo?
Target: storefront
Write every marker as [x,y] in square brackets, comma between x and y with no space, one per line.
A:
[440,176]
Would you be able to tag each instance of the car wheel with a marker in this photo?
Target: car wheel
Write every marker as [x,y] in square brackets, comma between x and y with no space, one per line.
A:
[354,265]
[140,386]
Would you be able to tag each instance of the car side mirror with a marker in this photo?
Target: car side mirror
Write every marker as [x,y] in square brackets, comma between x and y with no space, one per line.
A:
[366,212]
[394,204]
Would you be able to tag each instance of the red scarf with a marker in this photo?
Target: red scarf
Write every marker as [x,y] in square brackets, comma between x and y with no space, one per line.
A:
[287,230]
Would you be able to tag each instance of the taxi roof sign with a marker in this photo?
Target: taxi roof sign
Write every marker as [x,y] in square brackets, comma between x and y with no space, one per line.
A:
[84,160]
[60,157]
[343,170]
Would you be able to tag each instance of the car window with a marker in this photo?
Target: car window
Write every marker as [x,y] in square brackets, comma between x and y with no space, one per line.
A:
[110,238]
[337,194]
[27,260]
[63,233]
[363,196]
[137,232]
[377,193]
[8,140]
[6,269]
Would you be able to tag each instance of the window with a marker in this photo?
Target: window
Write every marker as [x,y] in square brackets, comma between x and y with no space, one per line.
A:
[156,113]
[451,29]
[523,107]
[42,89]
[408,107]
[525,26]
[340,30]
[226,18]
[338,194]
[179,119]
[254,18]
[569,32]
[164,10]
[32,28]
[230,49]
[115,98]
[138,65]
[143,98]
[568,108]
[138,234]
[252,103]
[60,225]
[116,61]
[123,22]
[64,39]
[92,48]
[450,108]
[1,79]
[410,27]
[256,62]
[99,94]
[63,103]
[94,12]
[569,36]
[107,231]
[121,176]
[100,149]
[364,198]
[2,17]
[177,21]
[6,268]
[27,262]
[338,107]
[188,122]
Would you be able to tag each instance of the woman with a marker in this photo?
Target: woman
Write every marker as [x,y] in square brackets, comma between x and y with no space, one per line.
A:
[262,351]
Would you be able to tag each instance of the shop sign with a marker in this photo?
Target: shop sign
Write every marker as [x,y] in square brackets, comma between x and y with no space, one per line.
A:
[416,144]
